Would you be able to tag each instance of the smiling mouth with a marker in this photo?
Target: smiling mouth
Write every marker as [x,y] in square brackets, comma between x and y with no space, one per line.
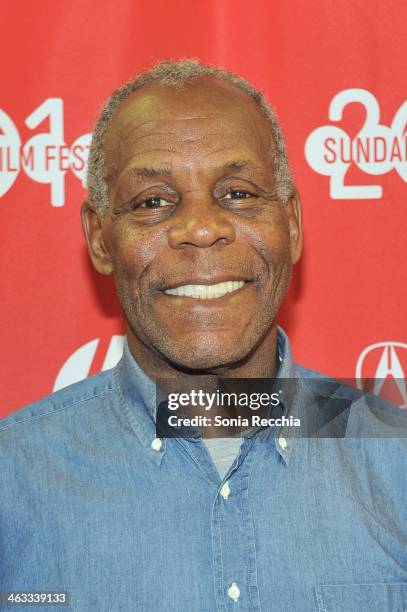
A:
[206,292]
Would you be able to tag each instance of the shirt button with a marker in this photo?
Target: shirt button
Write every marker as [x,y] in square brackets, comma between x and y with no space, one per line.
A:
[225,490]
[156,444]
[234,591]
[282,442]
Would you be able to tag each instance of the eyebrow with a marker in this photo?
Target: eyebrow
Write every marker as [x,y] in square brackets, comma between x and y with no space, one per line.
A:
[239,165]
[150,171]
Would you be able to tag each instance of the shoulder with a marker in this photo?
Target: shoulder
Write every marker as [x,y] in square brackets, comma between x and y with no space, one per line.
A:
[303,372]
[71,399]
[349,411]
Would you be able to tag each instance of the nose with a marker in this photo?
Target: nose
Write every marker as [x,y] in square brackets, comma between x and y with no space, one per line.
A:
[200,222]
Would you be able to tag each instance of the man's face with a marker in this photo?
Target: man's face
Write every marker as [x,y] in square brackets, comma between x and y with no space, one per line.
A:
[192,204]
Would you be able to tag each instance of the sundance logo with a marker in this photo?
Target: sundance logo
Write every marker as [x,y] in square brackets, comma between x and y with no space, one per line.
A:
[45,157]
[376,149]
[386,364]
[79,364]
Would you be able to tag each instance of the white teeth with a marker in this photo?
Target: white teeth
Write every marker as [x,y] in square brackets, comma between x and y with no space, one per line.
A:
[206,292]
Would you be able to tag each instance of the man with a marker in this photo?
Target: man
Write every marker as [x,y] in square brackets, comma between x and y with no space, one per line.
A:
[193,209]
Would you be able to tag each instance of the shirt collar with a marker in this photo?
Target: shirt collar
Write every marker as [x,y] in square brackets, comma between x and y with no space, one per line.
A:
[137,392]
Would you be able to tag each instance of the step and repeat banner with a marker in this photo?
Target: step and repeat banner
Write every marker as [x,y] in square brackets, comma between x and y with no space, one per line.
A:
[335,73]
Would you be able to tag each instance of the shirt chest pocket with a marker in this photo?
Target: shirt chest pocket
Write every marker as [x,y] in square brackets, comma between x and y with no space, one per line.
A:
[383,597]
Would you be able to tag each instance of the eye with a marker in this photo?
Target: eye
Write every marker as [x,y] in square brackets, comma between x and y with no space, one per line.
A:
[238,194]
[154,202]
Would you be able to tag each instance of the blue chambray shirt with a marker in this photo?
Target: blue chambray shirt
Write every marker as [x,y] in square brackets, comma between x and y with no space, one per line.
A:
[91,505]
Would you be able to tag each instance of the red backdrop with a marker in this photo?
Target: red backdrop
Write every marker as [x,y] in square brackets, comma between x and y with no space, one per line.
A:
[335,73]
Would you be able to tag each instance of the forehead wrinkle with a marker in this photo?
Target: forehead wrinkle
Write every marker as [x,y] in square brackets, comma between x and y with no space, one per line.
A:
[187,117]
[125,122]
[151,171]
[126,132]
[130,139]
[131,119]
[137,109]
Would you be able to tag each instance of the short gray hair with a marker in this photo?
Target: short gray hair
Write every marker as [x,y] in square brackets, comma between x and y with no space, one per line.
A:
[177,74]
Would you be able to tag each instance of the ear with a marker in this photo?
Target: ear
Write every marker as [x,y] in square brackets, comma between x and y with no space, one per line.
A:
[92,225]
[294,214]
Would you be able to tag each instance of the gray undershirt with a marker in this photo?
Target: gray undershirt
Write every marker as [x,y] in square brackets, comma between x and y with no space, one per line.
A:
[223,452]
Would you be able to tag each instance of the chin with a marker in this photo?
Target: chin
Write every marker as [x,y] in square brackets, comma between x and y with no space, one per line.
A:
[204,358]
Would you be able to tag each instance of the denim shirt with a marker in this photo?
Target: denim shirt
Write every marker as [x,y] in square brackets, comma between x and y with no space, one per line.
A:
[94,504]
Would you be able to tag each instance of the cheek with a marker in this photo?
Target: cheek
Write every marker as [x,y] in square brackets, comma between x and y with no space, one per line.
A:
[131,253]
[128,273]
[271,243]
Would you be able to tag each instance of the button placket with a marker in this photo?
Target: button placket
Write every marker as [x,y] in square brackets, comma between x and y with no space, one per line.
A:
[236,581]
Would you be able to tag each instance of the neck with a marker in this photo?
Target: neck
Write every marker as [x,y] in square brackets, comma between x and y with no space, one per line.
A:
[260,362]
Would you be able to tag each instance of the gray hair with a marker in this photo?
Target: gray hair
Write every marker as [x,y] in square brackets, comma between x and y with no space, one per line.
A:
[177,74]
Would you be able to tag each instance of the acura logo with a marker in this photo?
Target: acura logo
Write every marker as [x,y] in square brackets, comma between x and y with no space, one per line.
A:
[383,361]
